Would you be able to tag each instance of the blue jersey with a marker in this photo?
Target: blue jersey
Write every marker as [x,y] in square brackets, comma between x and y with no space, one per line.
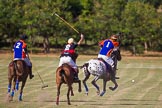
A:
[19,47]
[107,47]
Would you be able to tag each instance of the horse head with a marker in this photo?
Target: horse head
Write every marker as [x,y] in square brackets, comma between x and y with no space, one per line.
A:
[116,54]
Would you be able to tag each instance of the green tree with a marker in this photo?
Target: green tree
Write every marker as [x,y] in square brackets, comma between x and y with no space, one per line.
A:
[10,19]
[140,22]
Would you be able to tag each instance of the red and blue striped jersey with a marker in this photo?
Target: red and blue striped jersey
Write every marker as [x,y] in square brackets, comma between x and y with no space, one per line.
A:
[107,47]
[19,51]
[69,50]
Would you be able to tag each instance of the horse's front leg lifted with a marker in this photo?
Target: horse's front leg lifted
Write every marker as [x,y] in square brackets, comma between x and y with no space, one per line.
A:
[116,85]
[96,86]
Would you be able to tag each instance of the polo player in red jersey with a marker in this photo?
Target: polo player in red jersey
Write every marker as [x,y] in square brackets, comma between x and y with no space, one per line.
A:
[68,54]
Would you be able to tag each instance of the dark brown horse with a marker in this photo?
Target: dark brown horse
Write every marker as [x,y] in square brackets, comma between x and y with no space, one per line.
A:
[17,72]
[116,56]
[65,74]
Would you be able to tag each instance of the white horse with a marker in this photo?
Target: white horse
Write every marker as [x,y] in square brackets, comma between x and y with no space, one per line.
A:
[100,70]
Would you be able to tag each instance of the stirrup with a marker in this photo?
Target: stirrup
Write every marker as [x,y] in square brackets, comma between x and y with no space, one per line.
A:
[76,78]
[31,76]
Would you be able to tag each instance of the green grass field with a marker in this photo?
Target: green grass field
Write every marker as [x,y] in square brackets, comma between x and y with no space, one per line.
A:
[145,92]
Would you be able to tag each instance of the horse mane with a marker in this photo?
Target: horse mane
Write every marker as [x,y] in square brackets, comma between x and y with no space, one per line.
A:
[116,54]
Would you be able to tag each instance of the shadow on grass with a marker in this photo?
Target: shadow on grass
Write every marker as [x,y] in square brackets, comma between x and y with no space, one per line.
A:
[118,102]
[130,102]
[60,101]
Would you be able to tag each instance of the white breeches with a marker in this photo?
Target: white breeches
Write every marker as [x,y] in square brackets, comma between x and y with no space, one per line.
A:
[27,61]
[107,59]
[68,60]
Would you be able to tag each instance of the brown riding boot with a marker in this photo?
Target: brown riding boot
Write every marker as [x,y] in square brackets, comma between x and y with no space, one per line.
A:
[30,73]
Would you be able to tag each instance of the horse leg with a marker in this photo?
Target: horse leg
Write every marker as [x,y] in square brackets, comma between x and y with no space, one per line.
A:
[68,98]
[72,93]
[12,92]
[84,83]
[116,85]
[94,83]
[104,87]
[79,84]
[21,90]
[17,83]
[9,88]
[9,84]
[58,93]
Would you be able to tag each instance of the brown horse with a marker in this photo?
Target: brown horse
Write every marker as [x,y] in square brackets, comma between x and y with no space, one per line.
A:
[17,72]
[65,74]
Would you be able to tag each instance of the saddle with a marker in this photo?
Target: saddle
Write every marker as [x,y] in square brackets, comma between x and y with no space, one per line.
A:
[108,67]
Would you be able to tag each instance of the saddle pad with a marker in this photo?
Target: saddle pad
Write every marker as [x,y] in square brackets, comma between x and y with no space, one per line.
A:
[96,67]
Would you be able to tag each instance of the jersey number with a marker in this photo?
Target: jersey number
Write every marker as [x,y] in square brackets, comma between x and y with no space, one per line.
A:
[108,43]
[18,45]
[67,47]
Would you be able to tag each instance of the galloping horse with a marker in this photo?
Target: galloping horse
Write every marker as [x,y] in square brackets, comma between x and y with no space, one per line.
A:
[17,72]
[98,68]
[65,74]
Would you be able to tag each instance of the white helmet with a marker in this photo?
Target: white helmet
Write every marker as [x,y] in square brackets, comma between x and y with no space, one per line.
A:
[70,40]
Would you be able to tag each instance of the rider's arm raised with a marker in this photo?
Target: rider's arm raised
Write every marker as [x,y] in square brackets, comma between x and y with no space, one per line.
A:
[81,39]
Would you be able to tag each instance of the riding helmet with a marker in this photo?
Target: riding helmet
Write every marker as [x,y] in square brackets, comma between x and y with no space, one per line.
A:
[114,37]
[23,37]
[70,40]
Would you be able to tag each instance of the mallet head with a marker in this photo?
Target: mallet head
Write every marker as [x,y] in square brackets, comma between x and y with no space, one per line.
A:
[44,86]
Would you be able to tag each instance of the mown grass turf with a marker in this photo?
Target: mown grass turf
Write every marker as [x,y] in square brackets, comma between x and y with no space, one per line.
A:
[145,92]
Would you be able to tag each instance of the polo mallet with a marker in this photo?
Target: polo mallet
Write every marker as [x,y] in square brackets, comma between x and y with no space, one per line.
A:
[44,85]
[67,23]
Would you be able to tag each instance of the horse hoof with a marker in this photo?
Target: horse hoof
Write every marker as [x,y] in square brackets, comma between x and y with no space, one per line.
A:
[10,99]
[98,92]
[72,94]
[102,93]
[117,77]
[111,88]
[79,90]
[86,93]
[69,103]
[20,100]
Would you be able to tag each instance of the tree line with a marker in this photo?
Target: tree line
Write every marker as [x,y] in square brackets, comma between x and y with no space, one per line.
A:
[138,21]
